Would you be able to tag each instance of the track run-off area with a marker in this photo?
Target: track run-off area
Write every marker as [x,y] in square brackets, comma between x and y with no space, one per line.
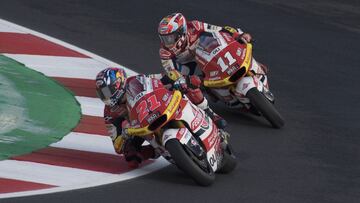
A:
[85,156]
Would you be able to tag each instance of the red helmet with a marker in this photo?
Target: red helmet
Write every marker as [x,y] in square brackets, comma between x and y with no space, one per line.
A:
[173,32]
[110,85]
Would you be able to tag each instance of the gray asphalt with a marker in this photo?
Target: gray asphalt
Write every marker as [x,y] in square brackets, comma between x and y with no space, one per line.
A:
[314,73]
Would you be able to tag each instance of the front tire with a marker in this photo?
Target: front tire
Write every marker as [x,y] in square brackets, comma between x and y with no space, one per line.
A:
[267,109]
[184,161]
[229,160]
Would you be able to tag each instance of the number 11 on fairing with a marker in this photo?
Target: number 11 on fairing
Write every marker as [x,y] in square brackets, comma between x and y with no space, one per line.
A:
[230,59]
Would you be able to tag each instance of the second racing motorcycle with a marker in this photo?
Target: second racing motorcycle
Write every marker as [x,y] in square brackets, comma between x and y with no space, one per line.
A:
[178,130]
[233,76]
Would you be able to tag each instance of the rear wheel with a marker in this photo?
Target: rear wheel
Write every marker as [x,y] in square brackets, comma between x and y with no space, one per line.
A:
[265,107]
[198,169]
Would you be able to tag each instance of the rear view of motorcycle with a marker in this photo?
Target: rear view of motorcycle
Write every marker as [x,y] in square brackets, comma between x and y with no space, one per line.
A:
[178,130]
[233,76]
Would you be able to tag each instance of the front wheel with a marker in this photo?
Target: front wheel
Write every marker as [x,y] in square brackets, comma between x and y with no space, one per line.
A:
[229,160]
[267,109]
[198,169]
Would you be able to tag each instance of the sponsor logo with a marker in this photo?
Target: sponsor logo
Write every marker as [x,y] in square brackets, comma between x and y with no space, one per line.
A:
[205,123]
[215,78]
[243,54]
[173,104]
[139,96]
[245,85]
[166,136]
[213,73]
[212,160]
[197,121]
[215,51]
[180,133]
[152,117]
[165,97]
[232,69]
[238,52]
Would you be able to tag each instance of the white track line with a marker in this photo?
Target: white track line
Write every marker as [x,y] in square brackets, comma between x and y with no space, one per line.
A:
[91,106]
[9,28]
[60,66]
[50,174]
[86,142]
[160,163]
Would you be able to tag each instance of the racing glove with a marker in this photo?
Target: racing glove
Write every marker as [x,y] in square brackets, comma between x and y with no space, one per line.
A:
[118,140]
[180,84]
[238,36]
[174,75]
[119,144]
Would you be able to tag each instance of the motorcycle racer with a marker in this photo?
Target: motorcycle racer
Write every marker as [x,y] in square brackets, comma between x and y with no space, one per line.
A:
[110,88]
[179,40]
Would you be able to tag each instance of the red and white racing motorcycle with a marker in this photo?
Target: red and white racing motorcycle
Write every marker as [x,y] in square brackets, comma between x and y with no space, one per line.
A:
[232,75]
[177,129]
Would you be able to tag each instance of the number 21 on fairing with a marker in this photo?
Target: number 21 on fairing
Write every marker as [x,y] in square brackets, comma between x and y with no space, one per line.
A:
[143,110]
[230,59]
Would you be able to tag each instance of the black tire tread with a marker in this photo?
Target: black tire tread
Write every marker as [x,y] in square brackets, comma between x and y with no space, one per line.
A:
[184,162]
[266,108]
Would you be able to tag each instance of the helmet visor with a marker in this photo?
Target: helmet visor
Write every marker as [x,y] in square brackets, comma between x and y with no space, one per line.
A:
[170,39]
[105,94]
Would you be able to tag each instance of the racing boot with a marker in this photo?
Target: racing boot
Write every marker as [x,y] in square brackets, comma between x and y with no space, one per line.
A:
[148,152]
[218,120]
[135,158]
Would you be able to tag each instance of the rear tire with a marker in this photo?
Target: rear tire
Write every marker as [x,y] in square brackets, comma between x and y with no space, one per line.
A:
[184,161]
[265,107]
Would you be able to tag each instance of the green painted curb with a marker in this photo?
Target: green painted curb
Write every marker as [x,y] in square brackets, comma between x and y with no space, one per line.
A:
[35,111]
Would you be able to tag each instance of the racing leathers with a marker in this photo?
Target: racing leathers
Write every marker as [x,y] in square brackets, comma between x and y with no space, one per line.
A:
[115,120]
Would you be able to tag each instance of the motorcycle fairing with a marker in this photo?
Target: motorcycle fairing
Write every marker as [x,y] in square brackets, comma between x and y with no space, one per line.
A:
[213,55]
[257,78]
[204,128]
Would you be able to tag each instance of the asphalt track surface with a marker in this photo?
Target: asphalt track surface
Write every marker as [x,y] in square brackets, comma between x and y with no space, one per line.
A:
[314,74]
